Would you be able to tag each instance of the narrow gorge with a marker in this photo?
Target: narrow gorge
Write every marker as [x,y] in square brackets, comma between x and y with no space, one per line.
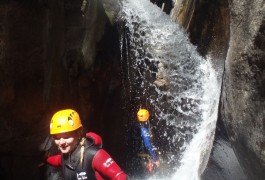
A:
[60,54]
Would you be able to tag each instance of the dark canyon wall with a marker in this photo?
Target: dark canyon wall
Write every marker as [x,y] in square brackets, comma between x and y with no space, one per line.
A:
[53,55]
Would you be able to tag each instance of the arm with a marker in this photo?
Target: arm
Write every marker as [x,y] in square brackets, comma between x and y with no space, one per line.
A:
[103,164]
[147,142]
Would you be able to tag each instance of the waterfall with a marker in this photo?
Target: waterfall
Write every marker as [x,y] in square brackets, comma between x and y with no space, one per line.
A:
[162,70]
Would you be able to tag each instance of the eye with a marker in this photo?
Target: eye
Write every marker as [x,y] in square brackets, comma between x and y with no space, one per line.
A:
[56,138]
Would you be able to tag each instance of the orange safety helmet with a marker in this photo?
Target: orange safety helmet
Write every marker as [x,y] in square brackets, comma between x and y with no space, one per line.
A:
[143,115]
[65,121]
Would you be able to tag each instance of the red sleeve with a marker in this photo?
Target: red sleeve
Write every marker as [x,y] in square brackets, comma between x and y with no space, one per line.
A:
[55,160]
[107,167]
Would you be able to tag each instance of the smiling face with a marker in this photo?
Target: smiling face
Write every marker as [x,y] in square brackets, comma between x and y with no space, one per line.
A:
[66,141]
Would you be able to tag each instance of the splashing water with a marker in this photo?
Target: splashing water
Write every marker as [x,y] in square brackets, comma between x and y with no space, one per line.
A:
[163,71]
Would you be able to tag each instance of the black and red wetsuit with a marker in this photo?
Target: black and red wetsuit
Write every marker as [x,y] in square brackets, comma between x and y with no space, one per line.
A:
[97,164]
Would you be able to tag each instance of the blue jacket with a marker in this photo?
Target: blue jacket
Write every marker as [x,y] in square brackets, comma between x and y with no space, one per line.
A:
[147,141]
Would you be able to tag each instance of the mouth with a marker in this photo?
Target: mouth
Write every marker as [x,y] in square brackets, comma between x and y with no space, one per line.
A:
[63,147]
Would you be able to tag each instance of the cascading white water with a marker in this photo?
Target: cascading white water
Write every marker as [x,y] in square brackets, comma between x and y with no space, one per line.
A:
[164,69]
[197,152]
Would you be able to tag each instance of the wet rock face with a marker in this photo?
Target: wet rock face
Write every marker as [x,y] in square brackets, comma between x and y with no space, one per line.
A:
[244,83]
[208,25]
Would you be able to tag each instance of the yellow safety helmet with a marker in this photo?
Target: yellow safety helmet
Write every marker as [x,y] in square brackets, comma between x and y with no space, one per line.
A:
[65,121]
[143,115]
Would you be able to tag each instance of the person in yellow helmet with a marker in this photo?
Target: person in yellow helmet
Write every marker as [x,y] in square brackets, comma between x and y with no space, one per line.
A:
[80,158]
[142,161]
[143,118]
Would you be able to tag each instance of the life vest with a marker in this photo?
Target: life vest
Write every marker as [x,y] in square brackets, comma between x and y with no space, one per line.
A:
[71,165]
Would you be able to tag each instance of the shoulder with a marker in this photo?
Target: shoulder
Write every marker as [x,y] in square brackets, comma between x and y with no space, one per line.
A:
[144,129]
[95,138]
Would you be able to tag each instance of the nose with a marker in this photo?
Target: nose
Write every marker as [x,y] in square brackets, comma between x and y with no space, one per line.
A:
[62,141]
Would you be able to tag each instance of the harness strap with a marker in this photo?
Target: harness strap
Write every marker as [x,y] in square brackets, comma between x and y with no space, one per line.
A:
[82,143]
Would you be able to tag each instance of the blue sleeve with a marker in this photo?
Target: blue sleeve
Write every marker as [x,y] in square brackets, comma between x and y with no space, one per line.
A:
[147,142]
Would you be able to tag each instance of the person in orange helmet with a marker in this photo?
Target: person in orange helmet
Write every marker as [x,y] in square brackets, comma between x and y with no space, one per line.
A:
[143,118]
[142,160]
[80,158]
